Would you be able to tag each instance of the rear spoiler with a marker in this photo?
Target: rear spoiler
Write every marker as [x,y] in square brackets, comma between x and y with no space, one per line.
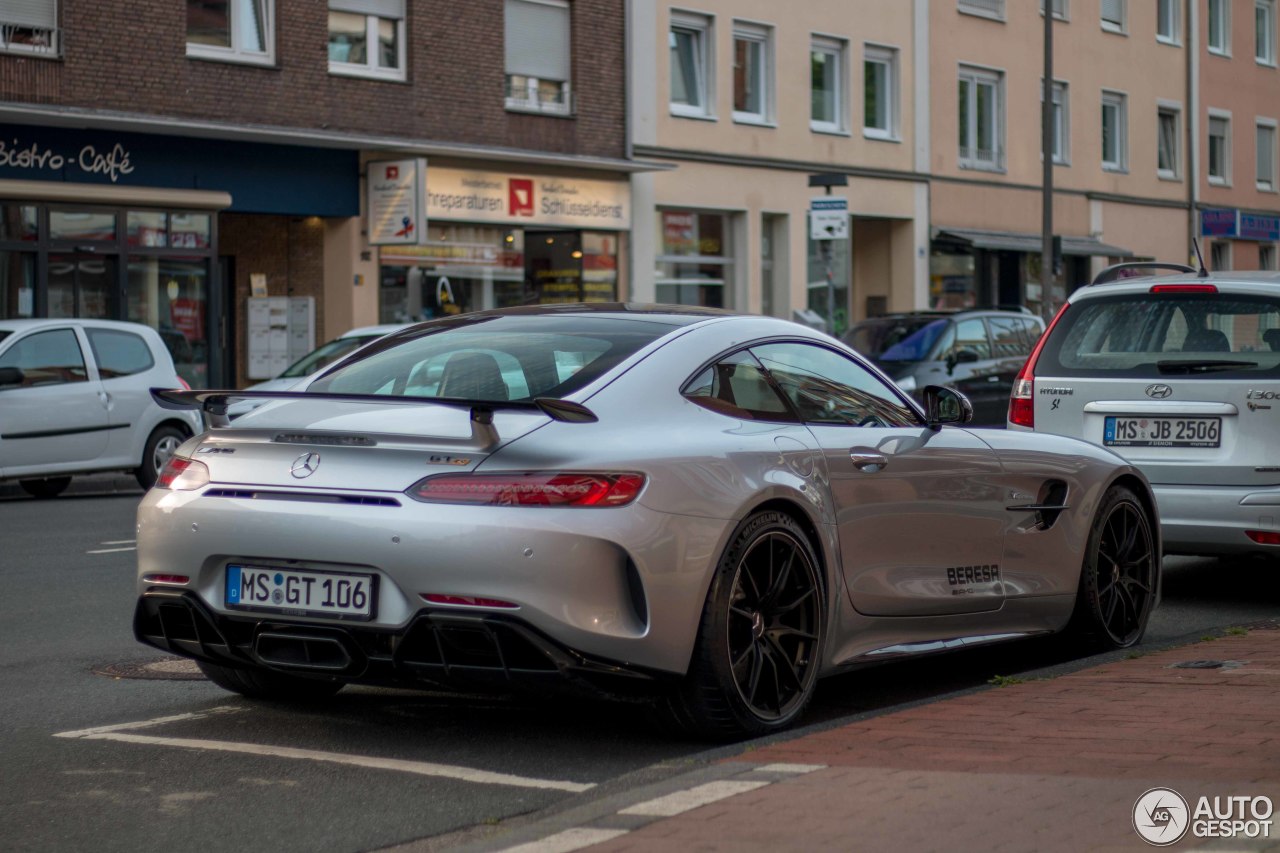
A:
[215,404]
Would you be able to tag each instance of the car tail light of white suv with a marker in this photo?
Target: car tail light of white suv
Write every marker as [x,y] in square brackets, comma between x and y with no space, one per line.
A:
[1022,401]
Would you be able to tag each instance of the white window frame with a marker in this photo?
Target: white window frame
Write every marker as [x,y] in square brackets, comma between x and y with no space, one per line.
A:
[237,53]
[888,57]
[1060,10]
[1268,55]
[1269,124]
[1122,26]
[1174,109]
[40,26]
[992,9]
[1119,101]
[761,34]
[1223,180]
[980,76]
[703,27]
[1224,14]
[839,48]
[1062,141]
[370,68]
[1173,9]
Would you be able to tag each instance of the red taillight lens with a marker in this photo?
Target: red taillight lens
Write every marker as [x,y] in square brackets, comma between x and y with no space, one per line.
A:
[182,474]
[554,488]
[172,579]
[1184,288]
[1022,401]
[466,600]
[1264,537]
[186,386]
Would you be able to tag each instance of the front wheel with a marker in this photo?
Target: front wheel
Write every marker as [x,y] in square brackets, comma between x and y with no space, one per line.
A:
[759,641]
[1119,576]
[161,444]
[265,684]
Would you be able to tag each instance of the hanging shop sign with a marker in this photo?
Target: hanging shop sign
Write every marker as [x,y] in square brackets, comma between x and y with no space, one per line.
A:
[396,202]
[829,218]
[463,195]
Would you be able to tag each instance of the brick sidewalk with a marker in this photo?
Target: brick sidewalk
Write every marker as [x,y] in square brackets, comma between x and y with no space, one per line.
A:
[1055,764]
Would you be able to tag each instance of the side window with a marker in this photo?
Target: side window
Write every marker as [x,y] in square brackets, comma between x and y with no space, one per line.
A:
[971,335]
[119,353]
[47,358]
[829,388]
[737,386]
[1008,338]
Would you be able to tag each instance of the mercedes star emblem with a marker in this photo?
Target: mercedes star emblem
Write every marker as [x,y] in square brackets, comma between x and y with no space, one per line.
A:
[1159,392]
[305,465]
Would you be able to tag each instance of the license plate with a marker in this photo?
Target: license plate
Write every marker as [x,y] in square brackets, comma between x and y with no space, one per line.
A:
[300,592]
[1162,432]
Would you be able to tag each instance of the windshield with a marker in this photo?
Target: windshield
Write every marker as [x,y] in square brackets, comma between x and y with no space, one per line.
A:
[1158,335]
[4,334]
[874,337]
[492,358]
[917,345]
[324,356]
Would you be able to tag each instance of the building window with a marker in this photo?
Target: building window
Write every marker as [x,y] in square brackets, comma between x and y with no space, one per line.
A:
[1167,19]
[231,30]
[1113,15]
[695,266]
[1219,40]
[29,26]
[1115,132]
[1168,142]
[1220,148]
[1061,140]
[1267,257]
[1264,35]
[1220,255]
[1059,9]
[827,75]
[363,43]
[752,72]
[537,56]
[1266,155]
[985,8]
[691,81]
[880,92]
[981,119]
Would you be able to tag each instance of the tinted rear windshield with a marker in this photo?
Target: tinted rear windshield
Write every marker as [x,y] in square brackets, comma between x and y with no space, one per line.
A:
[874,337]
[493,359]
[324,356]
[1143,335]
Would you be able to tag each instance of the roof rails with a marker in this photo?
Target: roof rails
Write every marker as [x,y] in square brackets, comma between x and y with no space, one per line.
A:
[1133,269]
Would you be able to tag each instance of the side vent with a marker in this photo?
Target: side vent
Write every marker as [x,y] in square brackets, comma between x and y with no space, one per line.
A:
[1049,505]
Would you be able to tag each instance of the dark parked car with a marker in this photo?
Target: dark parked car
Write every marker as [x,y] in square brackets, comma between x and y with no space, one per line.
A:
[978,352]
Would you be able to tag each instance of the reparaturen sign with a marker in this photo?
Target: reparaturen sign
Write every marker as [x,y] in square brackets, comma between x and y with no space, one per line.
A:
[110,162]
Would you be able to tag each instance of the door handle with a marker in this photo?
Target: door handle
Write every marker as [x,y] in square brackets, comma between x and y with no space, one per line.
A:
[868,463]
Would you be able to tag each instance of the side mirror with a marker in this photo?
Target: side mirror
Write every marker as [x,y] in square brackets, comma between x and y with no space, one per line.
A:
[11,376]
[946,406]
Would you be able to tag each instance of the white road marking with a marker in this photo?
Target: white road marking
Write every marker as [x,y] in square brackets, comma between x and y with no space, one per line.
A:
[790,768]
[112,550]
[569,840]
[683,801]
[119,542]
[155,721]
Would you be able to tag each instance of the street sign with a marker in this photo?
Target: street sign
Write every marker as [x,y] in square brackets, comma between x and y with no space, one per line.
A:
[829,218]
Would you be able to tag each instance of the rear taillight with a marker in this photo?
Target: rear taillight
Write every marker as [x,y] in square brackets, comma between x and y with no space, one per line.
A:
[1022,402]
[182,474]
[177,580]
[542,488]
[186,386]
[1184,288]
[1264,537]
[466,600]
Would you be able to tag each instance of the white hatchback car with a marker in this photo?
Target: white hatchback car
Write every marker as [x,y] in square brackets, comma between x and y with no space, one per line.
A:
[75,398]
[1178,373]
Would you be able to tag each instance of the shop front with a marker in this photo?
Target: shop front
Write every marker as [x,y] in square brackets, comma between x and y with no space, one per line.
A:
[1238,239]
[495,240]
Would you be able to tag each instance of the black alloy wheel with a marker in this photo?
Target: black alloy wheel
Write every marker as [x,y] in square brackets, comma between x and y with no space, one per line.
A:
[1118,582]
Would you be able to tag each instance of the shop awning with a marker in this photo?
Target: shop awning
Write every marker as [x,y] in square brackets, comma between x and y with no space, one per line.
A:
[1012,241]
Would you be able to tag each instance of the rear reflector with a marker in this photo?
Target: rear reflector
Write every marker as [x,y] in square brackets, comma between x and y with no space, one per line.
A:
[182,474]
[466,600]
[1264,537]
[543,488]
[1184,288]
[176,579]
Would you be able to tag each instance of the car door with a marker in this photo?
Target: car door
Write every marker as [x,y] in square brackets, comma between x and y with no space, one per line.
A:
[121,357]
[52,415]
[919,511]
[1011,342]
[973,372]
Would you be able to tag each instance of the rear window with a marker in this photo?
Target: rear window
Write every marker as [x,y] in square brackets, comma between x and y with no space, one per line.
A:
[492,359]
[324,356]
[1211,336]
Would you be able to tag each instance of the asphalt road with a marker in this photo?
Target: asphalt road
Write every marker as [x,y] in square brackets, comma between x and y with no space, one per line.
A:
[382,767]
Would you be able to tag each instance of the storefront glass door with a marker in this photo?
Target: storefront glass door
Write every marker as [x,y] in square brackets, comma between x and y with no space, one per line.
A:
[82,285]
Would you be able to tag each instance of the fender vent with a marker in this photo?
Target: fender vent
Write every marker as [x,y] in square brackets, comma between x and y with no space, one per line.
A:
[1050,504]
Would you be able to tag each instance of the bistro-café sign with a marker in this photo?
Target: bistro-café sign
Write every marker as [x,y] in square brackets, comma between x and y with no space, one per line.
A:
[110,162]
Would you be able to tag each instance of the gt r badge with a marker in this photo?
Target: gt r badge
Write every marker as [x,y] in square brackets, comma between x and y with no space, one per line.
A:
[436,459]
[305,465]
[1159,391]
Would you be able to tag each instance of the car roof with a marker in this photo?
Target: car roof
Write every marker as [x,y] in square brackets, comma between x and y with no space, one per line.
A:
[61,322]
[370,331]
[1257,282]
[670,315]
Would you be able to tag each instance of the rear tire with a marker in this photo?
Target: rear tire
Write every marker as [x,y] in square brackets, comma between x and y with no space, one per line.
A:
[161,444]
[49,487]
[265,684]
[1119,576]
[759,643]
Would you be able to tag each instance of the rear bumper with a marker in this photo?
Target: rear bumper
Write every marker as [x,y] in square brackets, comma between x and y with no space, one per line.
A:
[1213,519]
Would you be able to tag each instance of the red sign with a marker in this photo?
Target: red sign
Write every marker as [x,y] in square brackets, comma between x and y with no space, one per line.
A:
[520,196]
[393,173]
[679,230]
[188,318]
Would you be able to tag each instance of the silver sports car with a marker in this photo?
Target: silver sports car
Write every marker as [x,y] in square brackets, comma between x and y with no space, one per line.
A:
[710,509]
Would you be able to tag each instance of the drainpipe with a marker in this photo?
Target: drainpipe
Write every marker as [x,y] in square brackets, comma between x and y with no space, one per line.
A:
[1193,126]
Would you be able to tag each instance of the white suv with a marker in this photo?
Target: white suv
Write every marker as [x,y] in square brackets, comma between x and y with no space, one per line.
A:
[1180,375]
[75,398]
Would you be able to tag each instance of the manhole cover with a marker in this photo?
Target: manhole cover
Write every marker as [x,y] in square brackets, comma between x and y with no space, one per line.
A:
[165,669]
[1208,664]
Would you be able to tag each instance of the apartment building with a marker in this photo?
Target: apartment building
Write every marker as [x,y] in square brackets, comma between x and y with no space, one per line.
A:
[164,162]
